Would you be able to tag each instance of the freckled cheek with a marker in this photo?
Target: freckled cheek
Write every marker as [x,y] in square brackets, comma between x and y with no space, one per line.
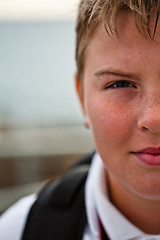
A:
[109,124]
[102,121]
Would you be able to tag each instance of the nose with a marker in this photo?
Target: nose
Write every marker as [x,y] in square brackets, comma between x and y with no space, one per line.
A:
[149,118]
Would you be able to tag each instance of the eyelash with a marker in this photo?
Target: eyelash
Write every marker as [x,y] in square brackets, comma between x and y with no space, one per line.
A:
[123,84]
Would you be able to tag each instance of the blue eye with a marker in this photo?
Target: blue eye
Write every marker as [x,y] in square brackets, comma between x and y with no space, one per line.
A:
[121,84]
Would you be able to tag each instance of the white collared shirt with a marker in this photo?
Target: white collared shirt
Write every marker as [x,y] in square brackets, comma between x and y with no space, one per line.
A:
[12,222]
[97,203]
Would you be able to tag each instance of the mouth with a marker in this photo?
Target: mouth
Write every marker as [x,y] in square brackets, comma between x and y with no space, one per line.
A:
[149,156]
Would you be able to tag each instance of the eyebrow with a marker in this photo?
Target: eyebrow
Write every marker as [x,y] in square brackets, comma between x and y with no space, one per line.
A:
[116,73]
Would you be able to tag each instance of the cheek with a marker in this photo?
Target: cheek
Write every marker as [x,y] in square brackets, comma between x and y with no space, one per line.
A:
[109,123]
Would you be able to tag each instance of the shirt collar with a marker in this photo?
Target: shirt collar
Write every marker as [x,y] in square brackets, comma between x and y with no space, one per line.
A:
[97,202]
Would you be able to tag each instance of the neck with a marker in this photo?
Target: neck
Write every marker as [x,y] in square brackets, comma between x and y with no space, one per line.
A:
[143,213]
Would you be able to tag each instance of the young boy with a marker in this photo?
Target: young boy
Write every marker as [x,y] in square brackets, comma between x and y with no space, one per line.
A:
[118,84]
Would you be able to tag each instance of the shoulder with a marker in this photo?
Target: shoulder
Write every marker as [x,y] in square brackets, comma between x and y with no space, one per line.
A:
[60,205]
[13,220]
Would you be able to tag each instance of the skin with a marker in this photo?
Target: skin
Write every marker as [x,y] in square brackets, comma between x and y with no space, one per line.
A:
[120,98]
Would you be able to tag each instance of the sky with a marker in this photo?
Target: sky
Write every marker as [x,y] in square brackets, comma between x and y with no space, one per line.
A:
[37,10]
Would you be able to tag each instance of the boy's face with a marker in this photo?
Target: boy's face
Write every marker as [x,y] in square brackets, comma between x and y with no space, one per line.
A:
[121,104]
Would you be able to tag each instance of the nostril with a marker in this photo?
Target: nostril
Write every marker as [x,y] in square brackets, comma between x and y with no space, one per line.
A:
[149,122]
[145,128]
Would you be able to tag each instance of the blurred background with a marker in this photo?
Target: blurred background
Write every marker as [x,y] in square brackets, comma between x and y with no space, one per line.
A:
[41,125]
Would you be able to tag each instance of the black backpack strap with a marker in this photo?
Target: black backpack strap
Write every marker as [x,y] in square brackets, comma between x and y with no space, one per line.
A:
[59,212]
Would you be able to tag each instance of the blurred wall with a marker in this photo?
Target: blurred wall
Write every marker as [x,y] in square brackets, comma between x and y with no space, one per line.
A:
[41,125]
[37,95]
[36,77]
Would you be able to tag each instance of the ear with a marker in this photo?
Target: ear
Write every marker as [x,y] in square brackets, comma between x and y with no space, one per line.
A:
[80,93]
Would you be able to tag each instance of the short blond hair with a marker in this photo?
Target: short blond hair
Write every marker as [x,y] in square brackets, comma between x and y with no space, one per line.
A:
[93,12]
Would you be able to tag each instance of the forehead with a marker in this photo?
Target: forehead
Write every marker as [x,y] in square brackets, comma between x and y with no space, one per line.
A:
[128,49]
